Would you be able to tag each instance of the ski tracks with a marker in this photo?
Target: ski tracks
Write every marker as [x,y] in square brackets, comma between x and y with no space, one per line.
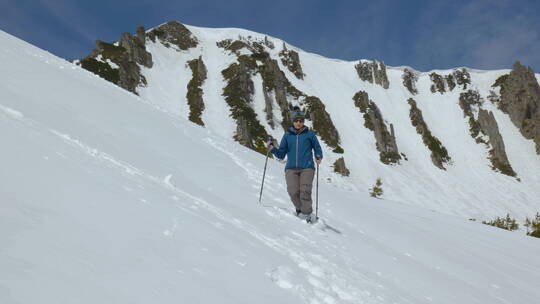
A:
[314,278]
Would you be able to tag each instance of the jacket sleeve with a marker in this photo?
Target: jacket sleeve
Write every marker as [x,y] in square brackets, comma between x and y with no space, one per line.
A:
[283,148]
[316,146]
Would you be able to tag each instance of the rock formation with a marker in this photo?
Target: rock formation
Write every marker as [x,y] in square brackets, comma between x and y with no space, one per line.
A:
[439,154]
[485,131]
[291,60]
[373,120]
[520,99]
[194,94]
[174,33]
[119,63]
[409,80]
[339,167]
[373,72]
[498,157]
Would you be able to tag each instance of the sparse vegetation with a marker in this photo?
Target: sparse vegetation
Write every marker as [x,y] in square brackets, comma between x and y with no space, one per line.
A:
[506,223]
[377,190]
[100,68]
[439,154]
[533,226]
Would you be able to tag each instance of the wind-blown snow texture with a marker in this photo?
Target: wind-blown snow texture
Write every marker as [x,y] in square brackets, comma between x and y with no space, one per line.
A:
[468,188]
[107,198]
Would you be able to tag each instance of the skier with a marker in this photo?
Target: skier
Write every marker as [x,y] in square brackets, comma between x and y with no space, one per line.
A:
[298,143]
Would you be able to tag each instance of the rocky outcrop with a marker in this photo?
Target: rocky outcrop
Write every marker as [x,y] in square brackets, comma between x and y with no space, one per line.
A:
[291,60]
[520,99]
[373,72]
[497,153]
[322,123]
[373,120]
[174,33]
[439,154]
[120,63]
[437,83]
[458,77]
[485,130]
[462,77]
[409,80]
[194,94]
[276,85]
[238,94]
[136,48]
[339,167]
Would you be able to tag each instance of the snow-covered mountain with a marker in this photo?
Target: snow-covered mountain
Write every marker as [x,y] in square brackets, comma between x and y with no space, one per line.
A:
[107,198]
[461,141]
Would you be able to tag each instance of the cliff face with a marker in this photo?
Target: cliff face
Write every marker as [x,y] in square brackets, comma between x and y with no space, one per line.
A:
[520,99]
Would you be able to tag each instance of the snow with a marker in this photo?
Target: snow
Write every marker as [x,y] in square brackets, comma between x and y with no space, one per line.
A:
[107,197]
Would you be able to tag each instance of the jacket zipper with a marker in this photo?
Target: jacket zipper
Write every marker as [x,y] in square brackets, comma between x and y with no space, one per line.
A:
[297,150]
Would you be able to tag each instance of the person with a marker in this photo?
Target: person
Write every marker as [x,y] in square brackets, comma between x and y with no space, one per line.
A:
[298,143]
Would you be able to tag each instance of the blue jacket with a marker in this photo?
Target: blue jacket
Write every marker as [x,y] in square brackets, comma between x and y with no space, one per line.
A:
[298,148]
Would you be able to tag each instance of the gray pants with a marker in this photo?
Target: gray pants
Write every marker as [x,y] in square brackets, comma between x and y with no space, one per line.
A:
[299,184]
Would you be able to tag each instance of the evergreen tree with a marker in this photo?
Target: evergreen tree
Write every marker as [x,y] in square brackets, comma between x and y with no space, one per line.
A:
[377,190]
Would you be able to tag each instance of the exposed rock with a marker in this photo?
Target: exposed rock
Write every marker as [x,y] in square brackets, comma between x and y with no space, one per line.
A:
[439,154]
[268,43]
[291,60]
[174,33]
[437,83]
[373,120]
[457,77]
[498,157]
[339,167]
[463,78]
[409,80]
[379,71]
[373,72]
[136,48]
[274,80]
[268,109]
[485,130]
[127,56]
[365,71]
[450,81]
[520,99]
[230,45]
[194,94]
[275,84]
[238,94]
[322,123]
[466,101]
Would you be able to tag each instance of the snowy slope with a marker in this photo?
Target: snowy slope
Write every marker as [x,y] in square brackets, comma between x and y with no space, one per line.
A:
[469,188]
[106,198]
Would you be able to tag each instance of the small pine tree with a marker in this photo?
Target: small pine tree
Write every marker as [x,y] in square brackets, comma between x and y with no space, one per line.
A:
[377,190]
[506,223]
[533,226]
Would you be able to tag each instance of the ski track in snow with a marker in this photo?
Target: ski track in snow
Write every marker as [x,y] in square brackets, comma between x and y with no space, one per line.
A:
[328,282]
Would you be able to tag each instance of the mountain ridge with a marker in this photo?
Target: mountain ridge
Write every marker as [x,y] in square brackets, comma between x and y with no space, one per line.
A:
[255,79]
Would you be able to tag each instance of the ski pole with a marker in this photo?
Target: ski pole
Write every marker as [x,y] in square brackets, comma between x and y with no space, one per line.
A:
[264,172]
[317,195]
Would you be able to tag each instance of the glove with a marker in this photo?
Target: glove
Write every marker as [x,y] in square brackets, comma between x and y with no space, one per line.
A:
[269,144]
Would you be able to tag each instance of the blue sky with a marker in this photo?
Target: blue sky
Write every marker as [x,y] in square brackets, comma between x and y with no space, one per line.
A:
[483,34]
